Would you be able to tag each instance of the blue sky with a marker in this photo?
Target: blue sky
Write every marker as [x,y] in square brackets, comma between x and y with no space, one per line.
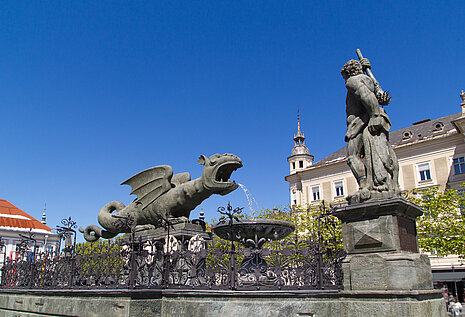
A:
[94,92]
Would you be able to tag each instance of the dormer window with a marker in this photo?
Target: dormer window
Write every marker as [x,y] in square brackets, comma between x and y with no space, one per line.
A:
[438,126]
[407,135]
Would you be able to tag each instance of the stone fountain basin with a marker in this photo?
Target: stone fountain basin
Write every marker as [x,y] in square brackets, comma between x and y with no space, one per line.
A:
[251,228]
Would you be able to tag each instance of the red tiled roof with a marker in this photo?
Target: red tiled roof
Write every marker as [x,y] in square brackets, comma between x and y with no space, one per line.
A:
[12,216]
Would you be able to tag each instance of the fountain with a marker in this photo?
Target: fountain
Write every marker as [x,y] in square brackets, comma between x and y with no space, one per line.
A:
[252,234]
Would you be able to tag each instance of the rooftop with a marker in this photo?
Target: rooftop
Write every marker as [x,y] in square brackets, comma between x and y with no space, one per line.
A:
[13,218]
[421,131]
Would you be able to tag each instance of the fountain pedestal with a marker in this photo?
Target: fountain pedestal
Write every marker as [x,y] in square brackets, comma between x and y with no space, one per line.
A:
[382,248]
[253,234]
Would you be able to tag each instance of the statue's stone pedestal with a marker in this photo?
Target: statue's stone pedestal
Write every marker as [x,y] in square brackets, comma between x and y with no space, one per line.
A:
[182,230]
[382,249]
[396,271]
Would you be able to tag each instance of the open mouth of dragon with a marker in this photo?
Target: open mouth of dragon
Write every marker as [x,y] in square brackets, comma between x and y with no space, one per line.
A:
[224,171]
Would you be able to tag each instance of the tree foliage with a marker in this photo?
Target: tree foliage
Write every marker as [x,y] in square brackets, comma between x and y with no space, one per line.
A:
[311,222]
[441,228]
[93,258]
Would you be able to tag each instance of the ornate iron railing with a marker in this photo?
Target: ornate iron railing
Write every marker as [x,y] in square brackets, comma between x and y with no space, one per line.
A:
[182,263]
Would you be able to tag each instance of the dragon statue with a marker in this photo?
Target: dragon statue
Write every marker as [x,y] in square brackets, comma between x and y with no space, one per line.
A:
[162,195]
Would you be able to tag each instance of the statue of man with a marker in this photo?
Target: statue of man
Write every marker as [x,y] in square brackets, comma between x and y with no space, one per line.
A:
[369,153]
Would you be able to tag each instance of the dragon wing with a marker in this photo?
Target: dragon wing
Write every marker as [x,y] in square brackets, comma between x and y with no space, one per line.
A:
[150,184]
[180,178]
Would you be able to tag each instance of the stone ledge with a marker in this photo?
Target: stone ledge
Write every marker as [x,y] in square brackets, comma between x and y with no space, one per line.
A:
[418,294]
[394,206]
[169,292]
[227,293]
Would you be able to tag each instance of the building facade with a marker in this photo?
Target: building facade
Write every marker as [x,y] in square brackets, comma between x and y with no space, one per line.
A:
[430,153]
[19,231]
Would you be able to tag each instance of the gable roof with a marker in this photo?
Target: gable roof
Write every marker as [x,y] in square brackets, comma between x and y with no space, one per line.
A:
[421,132]
[13,218]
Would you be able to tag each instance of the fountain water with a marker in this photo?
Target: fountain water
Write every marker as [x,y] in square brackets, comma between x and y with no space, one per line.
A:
[250,199]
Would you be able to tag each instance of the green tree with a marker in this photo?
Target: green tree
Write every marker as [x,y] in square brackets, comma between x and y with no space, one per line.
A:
[441,228]
[100,259]
[309,221]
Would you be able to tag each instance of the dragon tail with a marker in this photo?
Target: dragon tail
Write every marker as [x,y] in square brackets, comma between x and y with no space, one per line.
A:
[92,233]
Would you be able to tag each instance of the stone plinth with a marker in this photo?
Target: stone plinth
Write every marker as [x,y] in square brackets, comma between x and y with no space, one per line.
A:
[381,241]
[387,271]
[182,230]
[201,303]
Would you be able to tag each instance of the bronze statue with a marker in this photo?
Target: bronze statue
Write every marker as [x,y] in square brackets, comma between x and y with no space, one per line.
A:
[369,153]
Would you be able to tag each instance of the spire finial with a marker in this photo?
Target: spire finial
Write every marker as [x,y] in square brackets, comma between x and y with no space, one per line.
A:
[44,215]
[299,138]
[202,214]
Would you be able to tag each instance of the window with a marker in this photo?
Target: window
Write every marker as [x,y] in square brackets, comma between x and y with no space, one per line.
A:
[459,165]
[293,197]
[293,165]
[424,170]
[316,192]
[339,188]
[301,164]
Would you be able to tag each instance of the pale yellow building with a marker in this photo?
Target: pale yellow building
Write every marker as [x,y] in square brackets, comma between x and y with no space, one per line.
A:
[430,153]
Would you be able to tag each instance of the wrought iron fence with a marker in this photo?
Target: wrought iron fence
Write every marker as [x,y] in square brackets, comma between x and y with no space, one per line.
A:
[183,262]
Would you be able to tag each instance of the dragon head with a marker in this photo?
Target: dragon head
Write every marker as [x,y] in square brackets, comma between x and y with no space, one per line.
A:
[217,171]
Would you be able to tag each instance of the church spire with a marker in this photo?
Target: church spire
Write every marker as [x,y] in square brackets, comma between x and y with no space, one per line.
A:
[300,155]
[299,138]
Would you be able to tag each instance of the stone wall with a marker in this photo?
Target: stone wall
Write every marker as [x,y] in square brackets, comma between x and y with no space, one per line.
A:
[192,303]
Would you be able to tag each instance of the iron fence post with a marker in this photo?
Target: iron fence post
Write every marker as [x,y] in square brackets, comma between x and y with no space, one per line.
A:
[231,214]
[232,266]
[319,257]
[71,264]
[132,260]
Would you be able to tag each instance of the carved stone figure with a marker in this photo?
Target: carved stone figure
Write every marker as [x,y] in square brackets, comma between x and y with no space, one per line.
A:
[462,95]
[369,153]
[163,196]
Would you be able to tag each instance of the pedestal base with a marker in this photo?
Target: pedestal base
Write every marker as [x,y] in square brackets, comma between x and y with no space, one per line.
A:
[380,239]
[387,271]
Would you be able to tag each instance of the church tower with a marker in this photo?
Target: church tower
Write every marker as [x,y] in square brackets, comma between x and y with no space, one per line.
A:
[300,157]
